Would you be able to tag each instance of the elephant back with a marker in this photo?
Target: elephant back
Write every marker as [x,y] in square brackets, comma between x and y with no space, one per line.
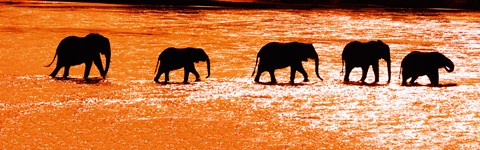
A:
[353,50]
[268,49]
[284,51]
[182,56]
[72,50]
[173,54]
[71,45]
[372,50]
[419,59]
[433,59]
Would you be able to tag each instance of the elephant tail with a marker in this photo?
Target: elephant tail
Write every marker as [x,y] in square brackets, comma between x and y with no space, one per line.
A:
[400,74]
[254,67]
[343,62]
[156,67]
[55,56]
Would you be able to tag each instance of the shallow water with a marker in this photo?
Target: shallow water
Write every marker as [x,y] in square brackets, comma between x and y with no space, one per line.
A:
[229,110]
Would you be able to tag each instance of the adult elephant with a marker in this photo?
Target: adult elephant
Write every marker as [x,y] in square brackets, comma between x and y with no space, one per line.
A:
[176,58]
[74,50]
[418,63]
[364,55]
[276,55]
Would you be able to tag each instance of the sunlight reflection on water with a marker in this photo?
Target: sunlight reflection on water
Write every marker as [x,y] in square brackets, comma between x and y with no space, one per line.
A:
[229,106]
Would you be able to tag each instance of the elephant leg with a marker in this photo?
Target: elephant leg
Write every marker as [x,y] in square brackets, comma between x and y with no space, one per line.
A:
[159,73]
[65,72]
[303,72]
[98,63]
[88,66]
[185,75]
[404,78]
[54,73]
[375,71]
[272,76]
[348,69]
[191,68]
[292,74]
[364,73]
[167,77]
[414,77]
[433,76]
[197,76]
[259,73]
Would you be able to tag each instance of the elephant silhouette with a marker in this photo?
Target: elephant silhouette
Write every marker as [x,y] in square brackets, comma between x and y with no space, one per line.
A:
[364,55]
[418,63]
[74,50]
[176,58]
[276,55]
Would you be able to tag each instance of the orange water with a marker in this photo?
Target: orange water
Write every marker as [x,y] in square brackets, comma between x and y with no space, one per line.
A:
[228,110]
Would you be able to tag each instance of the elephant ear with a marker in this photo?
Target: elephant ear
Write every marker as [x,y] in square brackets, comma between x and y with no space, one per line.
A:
[98,42]
[303,51]
[441,59]
[384,49]
[311,52]
[198,55]
[105,44]
[381,45]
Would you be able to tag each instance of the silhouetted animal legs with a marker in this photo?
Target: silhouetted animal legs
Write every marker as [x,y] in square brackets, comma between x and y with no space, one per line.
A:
[414,77]
[375,71]
[190,68]
[404,78]
[65,72]
[167,76]
[99,65]
[54,73]
[433,76]
[292,74]
[259,72]
[257,77]
[159,73]
[88,66]
[348,69]
[185,75]
[272,76]
[194,72]
[303,72]
[364,73]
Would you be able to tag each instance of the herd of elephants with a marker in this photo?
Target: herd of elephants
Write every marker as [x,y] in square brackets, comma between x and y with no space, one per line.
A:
[74,50]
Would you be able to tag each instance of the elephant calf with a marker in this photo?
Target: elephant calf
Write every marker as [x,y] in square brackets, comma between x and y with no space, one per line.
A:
[364,55]
[176,58]
[75,50]
[418,63]
[276,55]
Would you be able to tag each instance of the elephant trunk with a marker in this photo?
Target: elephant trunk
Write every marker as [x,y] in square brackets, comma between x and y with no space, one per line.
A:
[208,67]
[316,68]
[389,67]
[449,67]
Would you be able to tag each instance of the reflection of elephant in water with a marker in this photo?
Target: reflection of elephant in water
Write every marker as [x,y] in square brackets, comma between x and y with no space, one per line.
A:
[75,50]
[358,54]
[417,63]
[280,55]
[173,58]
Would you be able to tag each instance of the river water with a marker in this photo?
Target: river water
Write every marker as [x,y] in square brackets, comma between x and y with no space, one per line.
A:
[229,110]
